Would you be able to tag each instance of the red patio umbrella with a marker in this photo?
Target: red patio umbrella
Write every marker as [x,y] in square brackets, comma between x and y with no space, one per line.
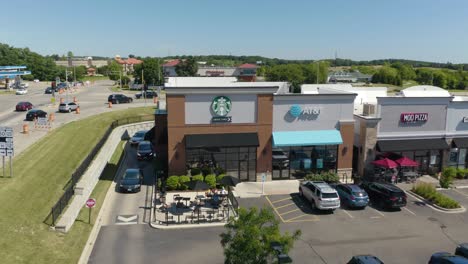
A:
[407,162]
[385,163]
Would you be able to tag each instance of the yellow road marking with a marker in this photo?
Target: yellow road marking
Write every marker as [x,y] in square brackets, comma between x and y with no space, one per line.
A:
[282,220]
[284,205]
[291,219]
[282,200]
[460,192]
[290,211]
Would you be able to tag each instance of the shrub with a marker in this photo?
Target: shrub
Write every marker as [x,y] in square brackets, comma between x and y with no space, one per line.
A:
[461,173]
[198,177]
[220,176]
[219,171]
[172,183]
[313,177]
[210,179]
[447,176]
[329,177]
[195,171]
[429,192]
[205,170]
[182,180]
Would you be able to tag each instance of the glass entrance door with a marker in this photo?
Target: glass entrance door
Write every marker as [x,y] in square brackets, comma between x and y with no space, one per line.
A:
[243,170]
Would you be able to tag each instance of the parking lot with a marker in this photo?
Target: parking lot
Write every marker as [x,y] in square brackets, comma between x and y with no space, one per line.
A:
[292,208]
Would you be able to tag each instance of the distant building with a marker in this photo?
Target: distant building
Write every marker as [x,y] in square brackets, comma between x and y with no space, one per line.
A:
[82,61]
[245,72]
[127,64]
[348,77]
[91,71]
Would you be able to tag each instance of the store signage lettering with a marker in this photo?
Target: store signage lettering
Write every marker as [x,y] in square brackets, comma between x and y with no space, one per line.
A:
[297,110]
[221,106]
[414,117]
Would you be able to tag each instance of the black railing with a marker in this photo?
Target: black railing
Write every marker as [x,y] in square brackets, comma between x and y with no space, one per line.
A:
[63,201]
[232,200]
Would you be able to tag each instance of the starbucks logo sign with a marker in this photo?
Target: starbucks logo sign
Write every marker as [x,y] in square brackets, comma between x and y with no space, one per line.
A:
[221,105]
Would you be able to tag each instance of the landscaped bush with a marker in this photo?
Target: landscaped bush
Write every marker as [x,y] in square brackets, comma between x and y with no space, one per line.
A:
[195,171]
[461,173]
[429,192]
[172,183]
[197,178]
[211,180]
[219,171]
[220,176]
[329,177]
[205,170]
[182,180]
[446,179]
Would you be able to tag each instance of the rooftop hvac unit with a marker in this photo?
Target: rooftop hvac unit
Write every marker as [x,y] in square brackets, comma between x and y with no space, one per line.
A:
[369,109]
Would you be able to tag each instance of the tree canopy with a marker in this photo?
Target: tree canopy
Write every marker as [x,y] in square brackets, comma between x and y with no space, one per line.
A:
[297,74]
[152,71]
[187,67]
[248,239]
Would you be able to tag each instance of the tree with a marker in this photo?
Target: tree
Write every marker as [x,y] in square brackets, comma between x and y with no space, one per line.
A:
[440,79]
[424,76]
[387,75]
[114,71]
[248,238]
[187,67]
[152,71]
[405,71]
[292,73]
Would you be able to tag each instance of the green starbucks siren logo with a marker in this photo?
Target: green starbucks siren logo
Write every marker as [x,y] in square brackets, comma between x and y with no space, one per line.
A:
[221,105]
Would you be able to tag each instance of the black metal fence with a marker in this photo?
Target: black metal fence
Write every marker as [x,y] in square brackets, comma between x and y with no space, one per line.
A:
[63,201]
[233,201]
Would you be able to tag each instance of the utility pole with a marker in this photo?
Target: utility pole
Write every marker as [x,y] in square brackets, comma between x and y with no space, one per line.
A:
[318,68]
[120,75]
[143,85]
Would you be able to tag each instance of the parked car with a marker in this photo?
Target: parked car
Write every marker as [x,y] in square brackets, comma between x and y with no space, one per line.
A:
[320,195]
[146,94]
[131,181]
[280,160]
[68,107]
[385,195]
[119,98]
[447,258]
[352,195]
[145,151]
[138,137]
[364,259]
[299,161]
[62,85]
[35,113]
[36,80]
[24,85]
[21,91]
[462,250]
[24,106]
[49,90]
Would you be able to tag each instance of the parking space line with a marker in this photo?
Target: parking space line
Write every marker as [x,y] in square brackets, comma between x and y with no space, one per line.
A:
[375,217]
[290,219]
[380,213]
[297,209]
[279,207]
[274,208]
[305,220]
[460,192]
[346,212]
[280,200]
[409,210]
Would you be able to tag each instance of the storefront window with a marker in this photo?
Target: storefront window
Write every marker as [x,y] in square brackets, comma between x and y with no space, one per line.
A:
[296,162]
[462,159]
[235,161]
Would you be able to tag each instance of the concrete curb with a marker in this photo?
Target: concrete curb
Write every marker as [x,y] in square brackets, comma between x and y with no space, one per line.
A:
[436,207]
[184,226]
[86,253]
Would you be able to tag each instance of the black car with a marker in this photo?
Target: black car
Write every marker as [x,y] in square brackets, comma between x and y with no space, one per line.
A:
[364,259]
[146,94]
[447,258]
[131,181]
[385,195]
[145,151]
[462,250]
[48,90]
[35,113]
[119,98]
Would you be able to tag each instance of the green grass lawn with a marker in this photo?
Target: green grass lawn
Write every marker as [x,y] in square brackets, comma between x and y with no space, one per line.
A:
[95,78]
[40,173]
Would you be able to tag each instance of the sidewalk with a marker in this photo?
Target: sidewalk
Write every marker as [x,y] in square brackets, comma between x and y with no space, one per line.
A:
[254,189]
[460,184]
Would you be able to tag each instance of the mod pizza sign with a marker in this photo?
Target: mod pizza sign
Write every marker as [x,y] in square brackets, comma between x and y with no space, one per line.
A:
[414,117]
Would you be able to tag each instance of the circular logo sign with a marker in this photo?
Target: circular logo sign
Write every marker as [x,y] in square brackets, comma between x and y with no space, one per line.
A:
[295,110]
[90,203]
[221,105]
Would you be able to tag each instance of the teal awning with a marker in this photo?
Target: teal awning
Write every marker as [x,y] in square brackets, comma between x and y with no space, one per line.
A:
[306,138]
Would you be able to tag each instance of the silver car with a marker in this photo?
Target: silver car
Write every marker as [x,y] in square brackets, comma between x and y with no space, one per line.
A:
[67,107]
[320,195]
[138,137]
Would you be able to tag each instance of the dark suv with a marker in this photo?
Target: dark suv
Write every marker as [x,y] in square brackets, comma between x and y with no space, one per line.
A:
[146,94]
[119,98]
[385,195]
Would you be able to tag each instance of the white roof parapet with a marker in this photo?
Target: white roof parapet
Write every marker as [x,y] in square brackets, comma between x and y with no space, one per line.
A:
[424,91]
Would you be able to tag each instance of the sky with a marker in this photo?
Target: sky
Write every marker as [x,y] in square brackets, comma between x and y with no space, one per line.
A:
[428,30]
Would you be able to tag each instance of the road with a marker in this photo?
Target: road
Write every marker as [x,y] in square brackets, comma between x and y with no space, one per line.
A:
[92,100]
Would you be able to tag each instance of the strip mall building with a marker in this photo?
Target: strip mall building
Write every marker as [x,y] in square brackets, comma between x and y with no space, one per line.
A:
[258,129]
[254,130]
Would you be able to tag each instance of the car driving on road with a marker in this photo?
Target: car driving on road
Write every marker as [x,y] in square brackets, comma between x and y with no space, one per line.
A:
[21,91]
[68,107]
[119,98]
[320,195]
[146,94]
[131,181]
[145,151]
[35,113]
[24,106]
[138,137]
